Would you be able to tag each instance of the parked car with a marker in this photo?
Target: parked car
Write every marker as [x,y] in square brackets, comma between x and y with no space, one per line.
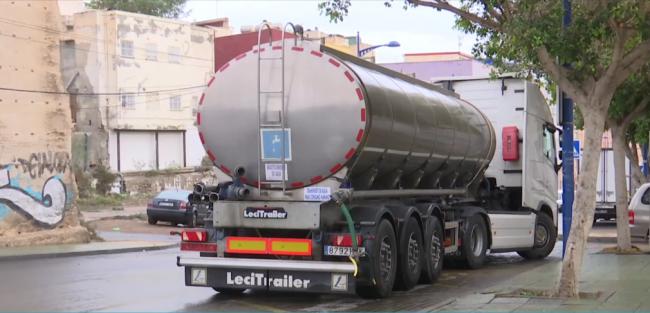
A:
[639,212]
[172,206]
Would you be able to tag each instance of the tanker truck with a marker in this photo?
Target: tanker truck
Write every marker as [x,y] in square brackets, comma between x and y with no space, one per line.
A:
[340,176]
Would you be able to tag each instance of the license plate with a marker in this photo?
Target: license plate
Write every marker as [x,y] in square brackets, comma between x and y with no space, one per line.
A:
[341,251]
[168,204]
[601,211]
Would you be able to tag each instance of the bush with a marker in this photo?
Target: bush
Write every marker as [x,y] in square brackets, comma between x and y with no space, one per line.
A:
[105,179]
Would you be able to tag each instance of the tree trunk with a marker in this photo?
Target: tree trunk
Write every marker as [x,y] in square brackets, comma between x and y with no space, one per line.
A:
[623,239]
[583,207]
[638,178]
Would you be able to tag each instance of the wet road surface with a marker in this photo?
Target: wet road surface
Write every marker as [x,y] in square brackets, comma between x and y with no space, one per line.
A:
[150,281]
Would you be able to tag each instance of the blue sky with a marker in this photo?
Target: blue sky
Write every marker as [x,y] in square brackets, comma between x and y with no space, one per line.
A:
[418,30]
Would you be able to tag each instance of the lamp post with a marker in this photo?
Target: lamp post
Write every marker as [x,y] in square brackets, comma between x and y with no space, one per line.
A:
[362,52]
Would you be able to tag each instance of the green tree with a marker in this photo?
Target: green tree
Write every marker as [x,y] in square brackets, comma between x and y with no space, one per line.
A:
[630,103]
[606,42]
[162,8]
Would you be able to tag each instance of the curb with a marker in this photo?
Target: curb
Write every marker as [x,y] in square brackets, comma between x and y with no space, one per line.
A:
[87,253]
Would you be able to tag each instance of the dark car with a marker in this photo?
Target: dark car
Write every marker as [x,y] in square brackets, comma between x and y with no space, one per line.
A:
[172,206]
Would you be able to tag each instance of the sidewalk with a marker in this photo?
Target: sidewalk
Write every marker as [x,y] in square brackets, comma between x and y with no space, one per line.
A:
[92,248]
[90,216]
[622,283]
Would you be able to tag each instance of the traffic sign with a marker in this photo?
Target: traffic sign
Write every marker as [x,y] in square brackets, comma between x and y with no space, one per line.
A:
[576,150]
[272,141]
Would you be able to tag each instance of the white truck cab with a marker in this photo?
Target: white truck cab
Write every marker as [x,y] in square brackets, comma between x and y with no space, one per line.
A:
[525,160]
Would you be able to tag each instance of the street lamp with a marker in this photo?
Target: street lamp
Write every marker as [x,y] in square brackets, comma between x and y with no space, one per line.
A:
[361,52]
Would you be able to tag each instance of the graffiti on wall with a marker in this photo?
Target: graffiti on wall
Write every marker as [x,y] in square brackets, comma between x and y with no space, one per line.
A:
[44,163]
[45,207]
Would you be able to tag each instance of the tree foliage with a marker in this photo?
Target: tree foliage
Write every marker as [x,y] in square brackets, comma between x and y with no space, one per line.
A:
[162,8]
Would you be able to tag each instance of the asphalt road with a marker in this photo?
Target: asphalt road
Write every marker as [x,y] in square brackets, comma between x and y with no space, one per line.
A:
[150,281]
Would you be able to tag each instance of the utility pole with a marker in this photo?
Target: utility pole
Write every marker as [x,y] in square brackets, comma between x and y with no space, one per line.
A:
[566,110]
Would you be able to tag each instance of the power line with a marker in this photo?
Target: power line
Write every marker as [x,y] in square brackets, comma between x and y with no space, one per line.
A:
[146,101]
[99,93]
[100,52]
[78,35]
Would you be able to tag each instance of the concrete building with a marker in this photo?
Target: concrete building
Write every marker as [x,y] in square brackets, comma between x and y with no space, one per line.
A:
[347,44]
[37,187]
[220,26]
[138,80]
[429,66]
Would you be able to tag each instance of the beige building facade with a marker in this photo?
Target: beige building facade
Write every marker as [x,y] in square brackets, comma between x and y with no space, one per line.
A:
[37,188]
[138,81]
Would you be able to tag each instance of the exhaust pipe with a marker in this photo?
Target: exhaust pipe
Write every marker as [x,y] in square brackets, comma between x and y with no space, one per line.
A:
[199,188]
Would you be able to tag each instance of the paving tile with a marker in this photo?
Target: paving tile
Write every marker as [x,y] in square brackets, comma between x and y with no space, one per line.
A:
[499,307]
[513,300]
[476,299]
[621,297]
[536,308]
[576,308]
[545,301]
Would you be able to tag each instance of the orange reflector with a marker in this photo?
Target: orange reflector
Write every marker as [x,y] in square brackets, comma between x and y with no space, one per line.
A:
[276,246]
[249,245]
[291,246]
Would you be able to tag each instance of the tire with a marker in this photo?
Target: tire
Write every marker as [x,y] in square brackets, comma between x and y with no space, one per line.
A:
[411,255]
[475,242]
[151,221]
[229,292]
[545,238]
[434,251]
[383,258]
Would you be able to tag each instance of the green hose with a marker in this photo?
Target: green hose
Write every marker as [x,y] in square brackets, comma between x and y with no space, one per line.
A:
[348,219]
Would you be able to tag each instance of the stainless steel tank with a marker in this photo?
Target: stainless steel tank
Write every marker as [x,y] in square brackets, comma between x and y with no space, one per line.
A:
[341,113]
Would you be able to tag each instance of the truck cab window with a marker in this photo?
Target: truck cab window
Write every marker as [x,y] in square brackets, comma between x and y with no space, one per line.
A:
[549,145]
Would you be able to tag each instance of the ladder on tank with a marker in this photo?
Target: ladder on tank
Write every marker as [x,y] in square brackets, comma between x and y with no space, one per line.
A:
[263,122]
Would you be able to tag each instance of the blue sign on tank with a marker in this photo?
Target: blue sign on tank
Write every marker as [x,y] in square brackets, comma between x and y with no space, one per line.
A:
[272,144]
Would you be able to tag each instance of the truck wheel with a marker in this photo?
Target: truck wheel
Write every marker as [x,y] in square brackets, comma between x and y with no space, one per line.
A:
[433,252]
[545,237]
[475,243]
[383,259]
[411,255]
[151,221]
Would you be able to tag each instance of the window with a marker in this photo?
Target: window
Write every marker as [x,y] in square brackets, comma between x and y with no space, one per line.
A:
[153,103]
[175,103]
[128,101]
[174,54]
[127,48]
[645,199]
[152,53]
[549,144]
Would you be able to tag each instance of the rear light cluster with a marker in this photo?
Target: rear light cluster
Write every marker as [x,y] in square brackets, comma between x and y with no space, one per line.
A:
[183,205]
[344,240]
[631,216]
[269,246]
[196,240]
[150,205]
